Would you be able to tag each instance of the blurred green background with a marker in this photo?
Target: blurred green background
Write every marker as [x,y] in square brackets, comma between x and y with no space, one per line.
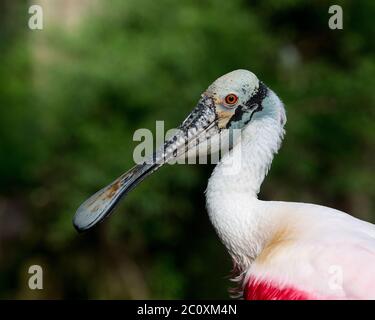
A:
[72,95]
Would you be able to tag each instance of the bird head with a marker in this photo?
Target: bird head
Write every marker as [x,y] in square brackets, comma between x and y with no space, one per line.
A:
[230,102]
[236,97]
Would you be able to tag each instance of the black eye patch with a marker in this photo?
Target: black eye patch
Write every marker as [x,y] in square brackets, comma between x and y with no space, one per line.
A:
[254,104]
[258,97]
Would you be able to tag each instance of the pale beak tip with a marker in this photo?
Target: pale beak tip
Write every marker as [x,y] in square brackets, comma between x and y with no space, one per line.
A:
[82,221]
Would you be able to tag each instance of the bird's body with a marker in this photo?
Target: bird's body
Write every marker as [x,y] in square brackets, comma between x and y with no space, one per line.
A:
[285,250]
[280,250]
[319,252]
[322,252]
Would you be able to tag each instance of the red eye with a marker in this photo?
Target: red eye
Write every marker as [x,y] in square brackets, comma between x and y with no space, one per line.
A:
[231,99]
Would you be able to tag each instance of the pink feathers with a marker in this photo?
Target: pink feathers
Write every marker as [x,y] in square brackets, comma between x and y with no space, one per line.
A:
[264,290]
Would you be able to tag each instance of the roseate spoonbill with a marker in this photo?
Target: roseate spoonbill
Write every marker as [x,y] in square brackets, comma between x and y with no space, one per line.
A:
[280,250]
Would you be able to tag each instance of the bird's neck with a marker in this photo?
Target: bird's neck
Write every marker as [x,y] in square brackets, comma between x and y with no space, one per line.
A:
[232,203]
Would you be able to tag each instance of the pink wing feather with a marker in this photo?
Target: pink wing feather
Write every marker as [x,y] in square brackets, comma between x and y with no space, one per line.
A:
[333,259]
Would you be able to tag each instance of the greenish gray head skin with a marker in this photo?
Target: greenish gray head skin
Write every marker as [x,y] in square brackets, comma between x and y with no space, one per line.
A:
[230,102]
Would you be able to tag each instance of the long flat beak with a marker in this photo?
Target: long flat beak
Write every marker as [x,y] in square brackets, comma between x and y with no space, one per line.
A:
[99,206]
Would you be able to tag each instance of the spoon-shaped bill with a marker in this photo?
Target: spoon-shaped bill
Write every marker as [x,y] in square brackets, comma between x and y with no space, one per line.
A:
[200,122]
[101,204]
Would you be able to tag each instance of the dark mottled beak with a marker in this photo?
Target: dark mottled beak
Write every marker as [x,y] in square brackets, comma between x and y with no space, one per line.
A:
[200,122]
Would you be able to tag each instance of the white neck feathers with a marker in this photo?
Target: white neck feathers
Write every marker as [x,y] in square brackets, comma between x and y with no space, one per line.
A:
[232,190]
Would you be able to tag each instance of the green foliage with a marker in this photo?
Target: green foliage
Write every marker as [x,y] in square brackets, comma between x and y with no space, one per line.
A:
[67,117]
